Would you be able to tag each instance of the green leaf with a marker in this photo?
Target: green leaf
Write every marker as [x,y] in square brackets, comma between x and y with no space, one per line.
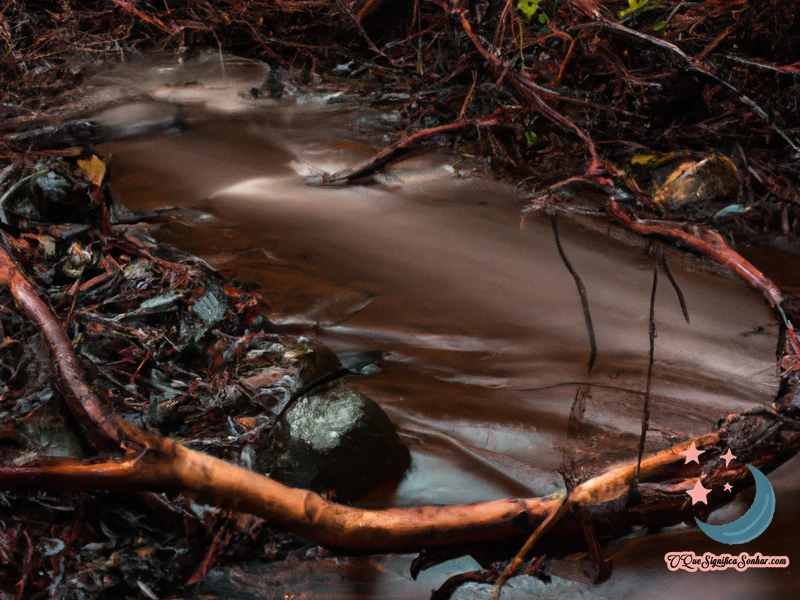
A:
[633,6]
[528,8]
[542,18]
[659,26]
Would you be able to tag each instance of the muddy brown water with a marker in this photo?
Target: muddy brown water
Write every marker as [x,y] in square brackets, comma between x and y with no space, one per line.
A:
[479,323]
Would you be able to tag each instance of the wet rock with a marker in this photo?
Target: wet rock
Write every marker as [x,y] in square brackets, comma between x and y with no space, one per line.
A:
[334,440]
[277,372]
[711,179]
[362,363]
[688,184]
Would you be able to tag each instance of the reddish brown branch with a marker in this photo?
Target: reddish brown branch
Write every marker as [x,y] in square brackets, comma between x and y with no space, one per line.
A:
[155,21]
[389,153]
[167,466]
[100,428]
[710,243]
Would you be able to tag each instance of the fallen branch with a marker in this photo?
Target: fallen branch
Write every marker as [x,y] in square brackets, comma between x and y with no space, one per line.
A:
[708,242]
[164,465]
[99,427]
[391,152]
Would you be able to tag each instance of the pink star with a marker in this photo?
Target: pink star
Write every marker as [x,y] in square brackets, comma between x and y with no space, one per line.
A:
[698,493]
[728,457]
[728,487]
[691,454]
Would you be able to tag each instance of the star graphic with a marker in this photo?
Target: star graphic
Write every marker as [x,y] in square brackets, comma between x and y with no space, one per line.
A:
[728,457]
[698,493]
[692,454]
[728,487]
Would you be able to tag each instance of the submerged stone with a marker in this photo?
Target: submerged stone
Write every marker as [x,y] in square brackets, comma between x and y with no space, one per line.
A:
[334,441]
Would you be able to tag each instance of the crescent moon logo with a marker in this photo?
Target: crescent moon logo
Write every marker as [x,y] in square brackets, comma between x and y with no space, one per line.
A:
[752,523]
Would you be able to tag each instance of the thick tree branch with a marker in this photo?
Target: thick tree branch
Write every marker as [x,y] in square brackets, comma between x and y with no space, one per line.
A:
[100,427]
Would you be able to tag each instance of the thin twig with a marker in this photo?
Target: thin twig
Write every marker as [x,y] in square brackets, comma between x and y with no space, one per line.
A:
[783,69]
[587,315]
[155,21]
[468,98]
[501,24]
[512,567]
[634,495]
[675,286]
[357,23]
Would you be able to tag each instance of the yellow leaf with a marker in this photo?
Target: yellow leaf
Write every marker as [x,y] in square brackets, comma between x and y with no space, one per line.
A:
[643,159]
[93,169]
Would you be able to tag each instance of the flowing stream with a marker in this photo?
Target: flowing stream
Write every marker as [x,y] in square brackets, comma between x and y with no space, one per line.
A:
[476,319]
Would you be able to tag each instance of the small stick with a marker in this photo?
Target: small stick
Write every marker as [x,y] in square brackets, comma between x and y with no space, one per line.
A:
[587,315]
[468,99]
[545,526]
[785,69]
[357,23]
[675,286]
[501,24]
[155,21]
[634,494]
